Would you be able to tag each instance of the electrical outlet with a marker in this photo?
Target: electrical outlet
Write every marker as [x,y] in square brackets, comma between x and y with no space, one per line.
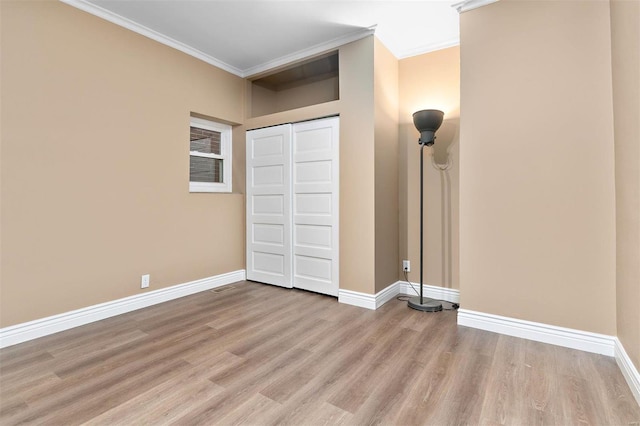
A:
[406,266]
[144,282]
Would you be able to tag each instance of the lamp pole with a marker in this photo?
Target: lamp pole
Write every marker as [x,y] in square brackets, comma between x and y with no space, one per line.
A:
[427,122]
[422,144]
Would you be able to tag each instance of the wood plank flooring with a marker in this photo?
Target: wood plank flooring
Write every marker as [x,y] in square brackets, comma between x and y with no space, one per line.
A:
[262,355]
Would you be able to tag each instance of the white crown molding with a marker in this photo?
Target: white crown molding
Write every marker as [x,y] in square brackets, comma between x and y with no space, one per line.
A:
[19,333]
[467,5]
[560,336]
[629,370]
[148,32]
[311,51]
[114,18]
[429,48]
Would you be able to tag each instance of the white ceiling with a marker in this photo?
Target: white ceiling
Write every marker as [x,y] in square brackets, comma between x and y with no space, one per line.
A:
[250,36]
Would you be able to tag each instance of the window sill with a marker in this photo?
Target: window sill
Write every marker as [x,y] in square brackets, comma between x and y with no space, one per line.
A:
[209,187]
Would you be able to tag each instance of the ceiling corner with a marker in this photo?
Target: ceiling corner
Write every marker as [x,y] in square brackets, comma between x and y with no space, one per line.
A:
[467,5]
[311,51]
[427,48]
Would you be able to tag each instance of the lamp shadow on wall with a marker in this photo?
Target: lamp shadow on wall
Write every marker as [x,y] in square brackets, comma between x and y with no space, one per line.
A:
[446,137]
[442,159]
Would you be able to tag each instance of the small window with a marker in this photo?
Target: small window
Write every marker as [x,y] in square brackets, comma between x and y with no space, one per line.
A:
[209,156]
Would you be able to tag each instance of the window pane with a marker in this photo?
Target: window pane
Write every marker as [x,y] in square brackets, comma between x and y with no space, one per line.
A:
[206,141]
[205,169]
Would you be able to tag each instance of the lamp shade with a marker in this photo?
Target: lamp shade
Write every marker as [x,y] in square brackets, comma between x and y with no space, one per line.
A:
[427,121]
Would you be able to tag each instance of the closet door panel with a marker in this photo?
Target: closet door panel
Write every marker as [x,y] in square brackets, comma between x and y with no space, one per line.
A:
[316,205]
[268,211]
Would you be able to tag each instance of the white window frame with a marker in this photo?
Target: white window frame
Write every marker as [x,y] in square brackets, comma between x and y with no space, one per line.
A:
[225,156]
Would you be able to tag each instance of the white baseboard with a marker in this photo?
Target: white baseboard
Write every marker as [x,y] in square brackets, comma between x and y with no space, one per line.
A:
[387,294]
[374,301]
[355,298]
[561,336]
[19,333]
[369,301]
[566,337]
[431,291]
[629,370]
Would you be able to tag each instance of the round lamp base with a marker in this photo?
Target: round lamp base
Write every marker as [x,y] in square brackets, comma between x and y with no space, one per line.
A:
[427,305]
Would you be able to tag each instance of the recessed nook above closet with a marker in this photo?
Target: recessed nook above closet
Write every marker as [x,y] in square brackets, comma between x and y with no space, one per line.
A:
[311,82]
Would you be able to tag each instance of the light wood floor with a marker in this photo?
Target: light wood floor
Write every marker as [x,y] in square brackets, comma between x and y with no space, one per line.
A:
[257,354]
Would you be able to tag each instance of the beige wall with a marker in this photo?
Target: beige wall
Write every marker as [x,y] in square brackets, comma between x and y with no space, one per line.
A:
[430,81]
[625,42]
[357,196]
[537,206]
[265,101]
[386,166]
[261,101]
[95,166]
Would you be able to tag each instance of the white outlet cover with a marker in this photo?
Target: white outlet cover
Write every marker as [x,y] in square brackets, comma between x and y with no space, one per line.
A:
[144,282]
[406,265]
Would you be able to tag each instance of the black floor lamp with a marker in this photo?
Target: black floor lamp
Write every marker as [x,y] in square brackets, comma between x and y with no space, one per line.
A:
[427,122]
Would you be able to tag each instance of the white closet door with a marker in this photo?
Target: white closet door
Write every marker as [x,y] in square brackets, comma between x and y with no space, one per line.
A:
[268,196]
[315,205]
